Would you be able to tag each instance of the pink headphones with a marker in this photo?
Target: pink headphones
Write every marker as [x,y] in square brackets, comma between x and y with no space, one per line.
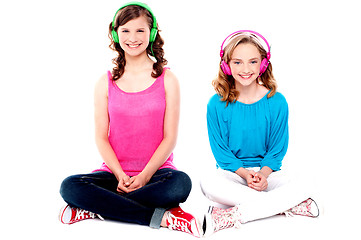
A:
[264,64]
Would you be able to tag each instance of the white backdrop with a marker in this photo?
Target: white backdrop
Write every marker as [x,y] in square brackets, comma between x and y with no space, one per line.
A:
[53,52]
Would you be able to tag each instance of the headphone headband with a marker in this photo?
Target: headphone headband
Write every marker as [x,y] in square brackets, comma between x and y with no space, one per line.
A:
[247,31]
[140,4]
[264,63]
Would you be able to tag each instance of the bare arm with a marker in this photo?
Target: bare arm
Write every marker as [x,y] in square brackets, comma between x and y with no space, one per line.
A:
[101,130]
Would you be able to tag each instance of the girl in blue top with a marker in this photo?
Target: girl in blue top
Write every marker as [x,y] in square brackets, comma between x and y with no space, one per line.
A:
[248,132]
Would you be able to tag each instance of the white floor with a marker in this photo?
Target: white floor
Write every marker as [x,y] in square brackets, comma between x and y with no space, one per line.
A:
[52,56]
[40,220]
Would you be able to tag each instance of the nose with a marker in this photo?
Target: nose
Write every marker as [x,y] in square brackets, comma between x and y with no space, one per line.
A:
[132,37]
[245,68]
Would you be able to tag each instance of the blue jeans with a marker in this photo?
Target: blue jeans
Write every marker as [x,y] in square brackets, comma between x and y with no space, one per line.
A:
[96,192]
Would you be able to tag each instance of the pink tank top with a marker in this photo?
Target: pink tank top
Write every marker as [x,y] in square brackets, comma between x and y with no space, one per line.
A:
[136,125]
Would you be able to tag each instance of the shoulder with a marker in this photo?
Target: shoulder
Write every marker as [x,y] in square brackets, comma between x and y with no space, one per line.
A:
[169,77]
[278,105]
[216,100]
[278,100]
[171,84]
[101,86]
[215,103]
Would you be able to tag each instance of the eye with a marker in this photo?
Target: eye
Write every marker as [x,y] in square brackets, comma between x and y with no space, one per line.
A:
[125,31]
[140,30]
[254,62]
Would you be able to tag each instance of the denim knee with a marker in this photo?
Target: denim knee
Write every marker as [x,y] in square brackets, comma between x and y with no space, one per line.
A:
[66,188]
[181,187]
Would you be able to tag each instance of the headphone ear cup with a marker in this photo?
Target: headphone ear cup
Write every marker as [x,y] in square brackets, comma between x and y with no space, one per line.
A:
[153,34]
[264,65]
[225,68]
[115,36]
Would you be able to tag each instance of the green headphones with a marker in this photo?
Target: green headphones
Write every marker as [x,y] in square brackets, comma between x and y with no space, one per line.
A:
[153,31]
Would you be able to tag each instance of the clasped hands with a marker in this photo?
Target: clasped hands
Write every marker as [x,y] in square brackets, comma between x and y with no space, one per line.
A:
[128,184]
[256,180]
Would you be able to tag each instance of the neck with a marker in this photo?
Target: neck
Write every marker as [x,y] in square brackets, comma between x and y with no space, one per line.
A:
[247,94]
[135,63]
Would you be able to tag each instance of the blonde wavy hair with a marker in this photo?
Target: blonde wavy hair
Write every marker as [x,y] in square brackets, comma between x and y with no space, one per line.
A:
[225,84]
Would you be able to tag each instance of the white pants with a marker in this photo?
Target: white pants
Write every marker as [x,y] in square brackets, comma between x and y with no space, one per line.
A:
[227,188]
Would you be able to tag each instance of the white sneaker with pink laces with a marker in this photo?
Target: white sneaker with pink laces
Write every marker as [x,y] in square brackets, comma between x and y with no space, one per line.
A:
[306,208]
[217,219]
[69,215]
[179,220]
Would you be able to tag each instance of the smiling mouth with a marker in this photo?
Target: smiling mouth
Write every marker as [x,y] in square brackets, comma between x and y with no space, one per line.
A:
[246,76]
[133,45]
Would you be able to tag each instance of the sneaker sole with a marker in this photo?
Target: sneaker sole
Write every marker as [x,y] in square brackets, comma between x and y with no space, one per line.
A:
[207,225]
[196,228]
[318,209]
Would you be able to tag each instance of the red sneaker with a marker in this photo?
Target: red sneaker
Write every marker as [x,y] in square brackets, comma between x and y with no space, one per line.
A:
[179,220]
[69,215]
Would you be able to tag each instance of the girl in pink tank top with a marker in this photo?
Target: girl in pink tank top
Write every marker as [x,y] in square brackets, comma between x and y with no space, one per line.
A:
[136,125]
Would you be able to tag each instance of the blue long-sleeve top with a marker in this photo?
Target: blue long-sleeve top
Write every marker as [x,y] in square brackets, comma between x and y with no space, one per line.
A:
[248,135]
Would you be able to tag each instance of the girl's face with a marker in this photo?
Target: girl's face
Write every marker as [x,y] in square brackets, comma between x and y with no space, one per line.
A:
[134,36]
[245,64]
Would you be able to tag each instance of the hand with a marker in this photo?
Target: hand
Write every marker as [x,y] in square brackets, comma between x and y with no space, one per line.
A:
[123,184]
[255,180]
[259,182]
[250,177]
[137,182]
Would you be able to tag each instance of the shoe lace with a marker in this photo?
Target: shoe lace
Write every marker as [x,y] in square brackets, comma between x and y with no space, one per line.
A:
[100,217]
[83,214]
[227,218]
[176,224]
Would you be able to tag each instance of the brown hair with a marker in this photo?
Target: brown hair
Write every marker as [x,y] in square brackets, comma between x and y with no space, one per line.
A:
[123,16]
[225,84]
